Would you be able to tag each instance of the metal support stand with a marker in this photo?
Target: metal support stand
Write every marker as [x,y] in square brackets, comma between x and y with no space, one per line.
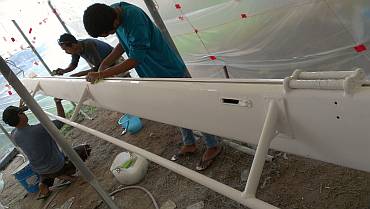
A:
[79,105]
[54,132]
[268,133]
[37,87]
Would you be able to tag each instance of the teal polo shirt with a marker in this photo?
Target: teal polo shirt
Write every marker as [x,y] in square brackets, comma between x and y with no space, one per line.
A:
[144,42]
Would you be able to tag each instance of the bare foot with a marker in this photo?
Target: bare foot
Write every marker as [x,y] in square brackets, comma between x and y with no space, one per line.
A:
[44,189]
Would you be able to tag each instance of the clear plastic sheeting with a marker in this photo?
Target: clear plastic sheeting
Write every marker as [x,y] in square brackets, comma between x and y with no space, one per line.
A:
[253,39]
[259,39]
[270,39]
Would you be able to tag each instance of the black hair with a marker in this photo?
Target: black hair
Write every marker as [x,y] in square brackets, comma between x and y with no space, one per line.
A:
[98,19]
[10,115]
[67,39]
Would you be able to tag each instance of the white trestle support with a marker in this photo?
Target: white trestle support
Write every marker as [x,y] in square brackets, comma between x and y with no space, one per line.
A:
[309,119]
[186,172]
[268,133]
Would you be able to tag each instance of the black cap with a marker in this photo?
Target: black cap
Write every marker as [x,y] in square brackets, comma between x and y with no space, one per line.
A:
[67,39]
[10,115]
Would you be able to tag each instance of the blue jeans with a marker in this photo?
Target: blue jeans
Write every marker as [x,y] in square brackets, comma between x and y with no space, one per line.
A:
[188,138]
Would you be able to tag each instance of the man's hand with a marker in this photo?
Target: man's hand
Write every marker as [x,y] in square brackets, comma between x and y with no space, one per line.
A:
[93,77]
[58,71]
[21,103]
[60,109]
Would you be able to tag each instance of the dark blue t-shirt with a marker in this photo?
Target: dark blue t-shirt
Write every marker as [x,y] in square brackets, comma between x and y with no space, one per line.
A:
[93,51]
[42,151]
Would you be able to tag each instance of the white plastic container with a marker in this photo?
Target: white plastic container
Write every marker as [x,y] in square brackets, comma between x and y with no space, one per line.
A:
[129,168]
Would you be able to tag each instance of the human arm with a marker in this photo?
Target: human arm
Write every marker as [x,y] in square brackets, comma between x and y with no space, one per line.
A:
[71,66]
[60,109]
[61,71]
[125,66]
[112,57]
[82,73]
[60,112]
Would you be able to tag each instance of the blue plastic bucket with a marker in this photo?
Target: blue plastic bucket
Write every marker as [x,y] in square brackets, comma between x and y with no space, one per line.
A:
[130,123]
[27,178]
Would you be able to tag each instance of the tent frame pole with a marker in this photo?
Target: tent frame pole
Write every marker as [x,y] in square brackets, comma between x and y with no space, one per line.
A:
[54,132]
[162,27]
[32,47]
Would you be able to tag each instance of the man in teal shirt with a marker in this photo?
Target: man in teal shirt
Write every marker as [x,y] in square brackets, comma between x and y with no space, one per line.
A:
[148,52]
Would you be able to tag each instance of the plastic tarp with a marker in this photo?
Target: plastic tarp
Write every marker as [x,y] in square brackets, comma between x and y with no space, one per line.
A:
[259,39]
[250,38]
[253,39]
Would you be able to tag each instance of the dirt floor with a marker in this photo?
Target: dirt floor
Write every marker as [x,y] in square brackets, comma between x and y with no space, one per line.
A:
[287,182]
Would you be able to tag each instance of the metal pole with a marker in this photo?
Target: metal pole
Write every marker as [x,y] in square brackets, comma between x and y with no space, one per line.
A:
[10,138]
[54,132]
[8,135]
[32,47]
[268,133]
[159,22]
[58,17]
[5,132]
[68,31]
[226,72]
[214,185]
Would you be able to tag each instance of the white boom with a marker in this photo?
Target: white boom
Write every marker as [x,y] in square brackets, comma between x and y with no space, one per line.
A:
[322,116]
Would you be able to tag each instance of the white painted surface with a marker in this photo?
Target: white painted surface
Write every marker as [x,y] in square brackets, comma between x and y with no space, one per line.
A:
[326,125]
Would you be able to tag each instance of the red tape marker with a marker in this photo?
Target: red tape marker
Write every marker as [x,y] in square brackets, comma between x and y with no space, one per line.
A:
[9,89]
[30,31]
[178,6]
[243,15]
[13,39]
[360,48]
[212,57]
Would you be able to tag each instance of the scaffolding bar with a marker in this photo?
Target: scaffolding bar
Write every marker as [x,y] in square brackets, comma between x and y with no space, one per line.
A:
[54,132]
[32,47]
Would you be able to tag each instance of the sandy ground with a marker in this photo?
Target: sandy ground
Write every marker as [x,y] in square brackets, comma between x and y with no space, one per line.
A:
[287,182]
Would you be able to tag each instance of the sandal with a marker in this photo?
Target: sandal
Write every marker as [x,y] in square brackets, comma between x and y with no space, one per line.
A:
[182,154]
[43,196]
[204,164]
[63,183]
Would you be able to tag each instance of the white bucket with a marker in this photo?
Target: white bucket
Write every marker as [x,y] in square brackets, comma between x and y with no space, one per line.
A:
[129,168]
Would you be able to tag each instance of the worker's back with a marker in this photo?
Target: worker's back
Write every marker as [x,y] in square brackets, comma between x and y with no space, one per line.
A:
[42,151]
